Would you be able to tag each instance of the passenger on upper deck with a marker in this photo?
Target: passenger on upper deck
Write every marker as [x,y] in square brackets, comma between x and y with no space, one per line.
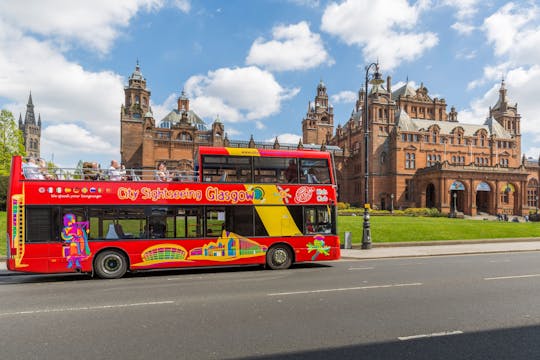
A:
[31,170]
[44,170]
[115,172]
[162,174]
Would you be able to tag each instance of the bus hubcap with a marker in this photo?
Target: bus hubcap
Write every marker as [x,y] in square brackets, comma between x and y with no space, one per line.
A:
[280,256]
[112,264]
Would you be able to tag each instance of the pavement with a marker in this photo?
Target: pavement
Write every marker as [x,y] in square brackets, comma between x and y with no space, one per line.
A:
[414,249]
[438,248]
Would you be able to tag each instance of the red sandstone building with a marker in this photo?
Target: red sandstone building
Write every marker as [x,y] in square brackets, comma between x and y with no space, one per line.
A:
[420,155]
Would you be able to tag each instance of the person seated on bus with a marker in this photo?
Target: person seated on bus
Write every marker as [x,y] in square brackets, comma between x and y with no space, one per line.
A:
[312,177]
[291,173]
[115,171]
[91,171]
[310,229]
[31,170]
[157,229]
[44,170]
[162,174]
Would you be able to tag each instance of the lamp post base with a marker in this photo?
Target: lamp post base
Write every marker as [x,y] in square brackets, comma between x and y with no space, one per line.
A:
[366,234]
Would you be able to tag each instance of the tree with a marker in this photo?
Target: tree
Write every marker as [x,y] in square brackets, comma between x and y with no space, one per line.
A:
[11,141]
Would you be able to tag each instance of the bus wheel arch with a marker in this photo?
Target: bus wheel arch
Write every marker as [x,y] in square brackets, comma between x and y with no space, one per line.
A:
[280,256]
[110,263]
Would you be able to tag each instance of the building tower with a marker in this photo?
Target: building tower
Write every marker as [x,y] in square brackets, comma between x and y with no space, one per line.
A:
[134,114]
[506,114]
[31,130]
[318,125]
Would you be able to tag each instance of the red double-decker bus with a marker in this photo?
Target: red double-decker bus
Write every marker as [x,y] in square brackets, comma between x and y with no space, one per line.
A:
[241,206]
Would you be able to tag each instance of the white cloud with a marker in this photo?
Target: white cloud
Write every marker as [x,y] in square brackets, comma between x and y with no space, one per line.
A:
[64,139]
[520,40]
[466,54]
[344,97]
[522,86]
[87,24]
[237,94]
[183,5]
[466,9]
[463,28]
[293,47]
[286,138]
[63,91]
[390,22]
[308,3]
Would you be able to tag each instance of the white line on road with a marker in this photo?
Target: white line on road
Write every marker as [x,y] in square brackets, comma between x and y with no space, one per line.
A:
[361,268]
[344,289]
[512,277]
[421,336]
[84,308]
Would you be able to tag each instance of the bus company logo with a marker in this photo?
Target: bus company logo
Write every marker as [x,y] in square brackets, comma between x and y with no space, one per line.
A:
[50,189]
[84,190]
[322,195]
[67,190]
[76,190]
[92,190]
[303,194]
[59,190]
[42,190]
[258,193]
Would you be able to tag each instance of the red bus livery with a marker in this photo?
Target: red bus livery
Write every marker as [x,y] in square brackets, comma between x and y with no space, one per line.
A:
[243,206]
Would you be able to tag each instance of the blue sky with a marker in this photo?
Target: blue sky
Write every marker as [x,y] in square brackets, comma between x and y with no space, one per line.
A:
[256,64]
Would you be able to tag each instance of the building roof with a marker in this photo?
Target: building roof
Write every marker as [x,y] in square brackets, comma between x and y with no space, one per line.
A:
[405,90]
[175,116]
[491,126]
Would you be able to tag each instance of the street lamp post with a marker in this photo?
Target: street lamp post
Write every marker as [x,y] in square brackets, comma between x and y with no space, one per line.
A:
[375,80]
[392,203]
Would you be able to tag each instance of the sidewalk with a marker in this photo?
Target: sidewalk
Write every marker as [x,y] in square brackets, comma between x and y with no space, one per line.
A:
[446,248]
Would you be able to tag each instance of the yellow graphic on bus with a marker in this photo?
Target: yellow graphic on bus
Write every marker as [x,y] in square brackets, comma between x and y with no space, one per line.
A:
[17,229]
[229,246]
[277,219]
[162,254]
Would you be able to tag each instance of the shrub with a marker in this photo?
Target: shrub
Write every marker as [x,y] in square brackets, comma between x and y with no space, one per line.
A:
[343,205]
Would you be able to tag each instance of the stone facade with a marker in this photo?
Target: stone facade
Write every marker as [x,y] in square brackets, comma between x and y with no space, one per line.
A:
[31,130]
[175,140]
[419,154]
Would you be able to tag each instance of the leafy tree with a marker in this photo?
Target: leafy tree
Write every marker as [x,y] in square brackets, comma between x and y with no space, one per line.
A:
[11,141]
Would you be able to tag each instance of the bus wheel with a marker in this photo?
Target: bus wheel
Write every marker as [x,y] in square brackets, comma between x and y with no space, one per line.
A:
[110,264]
[279,257]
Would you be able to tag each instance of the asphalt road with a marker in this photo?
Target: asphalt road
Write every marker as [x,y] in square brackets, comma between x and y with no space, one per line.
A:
[448,307]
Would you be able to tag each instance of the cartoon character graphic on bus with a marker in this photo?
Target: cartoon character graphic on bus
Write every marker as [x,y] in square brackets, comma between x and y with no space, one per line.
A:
[75,237]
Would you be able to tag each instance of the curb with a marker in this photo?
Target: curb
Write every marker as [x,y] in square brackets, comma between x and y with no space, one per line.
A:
[433,255]
[445,242]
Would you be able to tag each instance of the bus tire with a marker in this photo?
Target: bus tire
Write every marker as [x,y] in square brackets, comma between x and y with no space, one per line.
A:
[279,257]
[110,264]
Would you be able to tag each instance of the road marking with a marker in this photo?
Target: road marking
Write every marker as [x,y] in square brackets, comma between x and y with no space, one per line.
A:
[512,277]
[84,308]
[422,336]
[361,268]
[344,289]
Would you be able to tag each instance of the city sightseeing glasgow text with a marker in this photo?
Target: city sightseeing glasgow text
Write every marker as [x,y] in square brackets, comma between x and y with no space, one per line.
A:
[212,194]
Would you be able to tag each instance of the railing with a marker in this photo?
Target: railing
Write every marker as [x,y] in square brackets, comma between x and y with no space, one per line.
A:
[91,174]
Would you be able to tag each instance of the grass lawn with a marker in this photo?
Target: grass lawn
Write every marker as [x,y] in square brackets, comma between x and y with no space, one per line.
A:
[404,228]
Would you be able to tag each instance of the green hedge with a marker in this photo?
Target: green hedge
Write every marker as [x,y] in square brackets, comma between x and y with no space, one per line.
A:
[433,212]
